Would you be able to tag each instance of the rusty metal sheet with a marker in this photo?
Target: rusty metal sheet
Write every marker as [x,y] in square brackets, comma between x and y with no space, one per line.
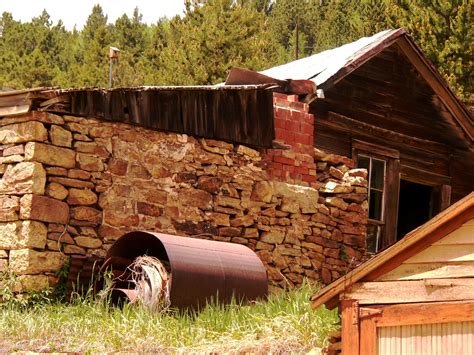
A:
[200,269]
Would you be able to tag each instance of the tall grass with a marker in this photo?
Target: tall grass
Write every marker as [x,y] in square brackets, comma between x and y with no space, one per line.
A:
[283,323]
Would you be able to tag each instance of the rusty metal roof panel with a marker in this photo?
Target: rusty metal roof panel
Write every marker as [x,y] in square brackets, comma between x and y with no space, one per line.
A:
[200,269]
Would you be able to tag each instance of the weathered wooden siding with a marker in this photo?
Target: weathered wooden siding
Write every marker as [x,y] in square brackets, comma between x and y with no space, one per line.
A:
[443,339]
[451,256]
[386,102]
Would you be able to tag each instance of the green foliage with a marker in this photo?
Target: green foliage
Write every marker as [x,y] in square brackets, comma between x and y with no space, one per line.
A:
[12,297]
[444,30]
[215,35]
[284,323]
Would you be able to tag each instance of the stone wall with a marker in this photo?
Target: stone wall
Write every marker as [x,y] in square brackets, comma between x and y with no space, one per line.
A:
[72,185]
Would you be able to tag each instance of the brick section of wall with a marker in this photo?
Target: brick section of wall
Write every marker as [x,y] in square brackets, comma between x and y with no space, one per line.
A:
[294,127]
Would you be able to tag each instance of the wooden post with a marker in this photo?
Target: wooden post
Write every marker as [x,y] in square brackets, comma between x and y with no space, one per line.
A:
[350,327]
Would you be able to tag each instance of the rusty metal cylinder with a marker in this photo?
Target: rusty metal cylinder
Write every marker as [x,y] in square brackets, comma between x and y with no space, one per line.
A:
[200,269]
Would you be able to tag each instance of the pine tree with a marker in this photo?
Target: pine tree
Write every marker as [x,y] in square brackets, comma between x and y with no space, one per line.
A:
[444,30]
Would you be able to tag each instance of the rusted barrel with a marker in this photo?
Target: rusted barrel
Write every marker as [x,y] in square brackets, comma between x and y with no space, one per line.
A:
[200,269]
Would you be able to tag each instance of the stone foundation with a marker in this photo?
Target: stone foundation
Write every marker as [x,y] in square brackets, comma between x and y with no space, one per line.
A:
[73,185]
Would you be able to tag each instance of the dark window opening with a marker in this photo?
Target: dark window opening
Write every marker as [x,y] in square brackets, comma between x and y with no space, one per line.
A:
[415,206]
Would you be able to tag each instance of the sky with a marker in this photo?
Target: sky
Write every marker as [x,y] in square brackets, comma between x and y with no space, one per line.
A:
[75,12]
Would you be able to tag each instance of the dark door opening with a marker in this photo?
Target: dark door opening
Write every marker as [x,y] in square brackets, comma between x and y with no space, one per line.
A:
[415,206]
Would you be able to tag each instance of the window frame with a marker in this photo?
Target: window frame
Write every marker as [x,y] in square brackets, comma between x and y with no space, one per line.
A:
[391,189]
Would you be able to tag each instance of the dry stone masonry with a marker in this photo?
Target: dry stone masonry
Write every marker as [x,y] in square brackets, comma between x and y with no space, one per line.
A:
[73,185]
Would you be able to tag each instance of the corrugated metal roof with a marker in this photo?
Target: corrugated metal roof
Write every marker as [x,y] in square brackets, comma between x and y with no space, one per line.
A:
[322,66]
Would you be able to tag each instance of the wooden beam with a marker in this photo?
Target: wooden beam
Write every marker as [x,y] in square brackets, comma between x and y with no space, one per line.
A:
[350,327]
[412,271]
[368,336]
[425,313]
[390,292]
[14,110]
[346,124]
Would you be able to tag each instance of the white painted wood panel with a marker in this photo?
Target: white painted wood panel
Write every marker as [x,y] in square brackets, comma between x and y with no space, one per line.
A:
[418,271]
[444,253]
[456,338]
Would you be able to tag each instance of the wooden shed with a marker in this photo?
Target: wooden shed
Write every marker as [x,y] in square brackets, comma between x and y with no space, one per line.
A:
[417,296]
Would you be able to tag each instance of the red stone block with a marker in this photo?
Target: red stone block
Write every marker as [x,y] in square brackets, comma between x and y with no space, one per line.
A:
[282,112]
[289,168]
[297,116]
[292,125]
[277,166]
[309,178]
[277,95]
[300,106]
[284,160]
[306,128]
[288,137]
[279,134]
[309,118]
[301,170]
[280,122]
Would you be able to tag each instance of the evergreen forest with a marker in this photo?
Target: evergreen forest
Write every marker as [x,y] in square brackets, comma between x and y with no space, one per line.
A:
[211,36]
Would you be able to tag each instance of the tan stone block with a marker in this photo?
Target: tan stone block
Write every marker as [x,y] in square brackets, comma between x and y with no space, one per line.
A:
[228,202]
[86,214]
[265,256]
[54,170]
[263,246]
[60,136]
[3,266]
[312,246]
[15,150]
[102,132]
[334,187]
[240,240]
[273,237]
[56,191]
[74,249]
[336,202]
[42,208]
[77,127]
[23,178]
[149,209]
[81,197]
[88,242]
[250,233]
[118,167]
[283,250]
[210,184]
[89,162]
[230,231]
[22,234]
[72,182]
[195,198]
[3,254]
[219,219]
[12,159]
[91,148]
[262,191]
[78,174]
[50,155]
[31,283]
[245,221]
[252,153]
[23,132]
[110,234]
[27,261]
[9,207]
[41,116]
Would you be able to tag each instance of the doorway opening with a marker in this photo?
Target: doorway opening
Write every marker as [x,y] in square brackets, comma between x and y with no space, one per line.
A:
[415,206]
